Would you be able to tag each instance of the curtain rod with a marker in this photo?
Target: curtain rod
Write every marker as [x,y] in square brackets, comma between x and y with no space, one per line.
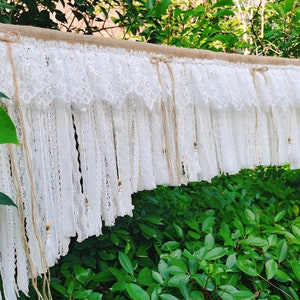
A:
[73,38]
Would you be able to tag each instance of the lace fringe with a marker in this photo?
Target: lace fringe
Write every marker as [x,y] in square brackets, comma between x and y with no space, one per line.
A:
[102,123]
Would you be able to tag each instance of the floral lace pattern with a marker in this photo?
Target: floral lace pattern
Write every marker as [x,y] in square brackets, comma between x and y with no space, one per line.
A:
[103,123]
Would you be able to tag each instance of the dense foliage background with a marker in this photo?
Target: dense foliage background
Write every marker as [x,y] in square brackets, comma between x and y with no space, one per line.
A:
[262,27]
[234,238]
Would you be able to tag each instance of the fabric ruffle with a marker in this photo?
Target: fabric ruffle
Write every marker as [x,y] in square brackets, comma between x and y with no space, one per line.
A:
[103,123]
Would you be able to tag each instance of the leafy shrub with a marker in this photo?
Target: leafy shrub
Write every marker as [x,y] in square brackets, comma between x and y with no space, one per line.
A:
[259,27]
[234,238]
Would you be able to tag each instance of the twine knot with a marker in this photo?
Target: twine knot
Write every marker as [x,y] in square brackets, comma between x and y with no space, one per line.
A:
[260,70]
[174,171]
[158,59]
[10,37]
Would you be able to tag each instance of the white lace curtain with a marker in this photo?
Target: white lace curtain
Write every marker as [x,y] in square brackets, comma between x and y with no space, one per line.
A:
[104,119]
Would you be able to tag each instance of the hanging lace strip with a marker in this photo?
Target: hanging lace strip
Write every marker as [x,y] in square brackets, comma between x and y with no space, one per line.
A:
[105,119]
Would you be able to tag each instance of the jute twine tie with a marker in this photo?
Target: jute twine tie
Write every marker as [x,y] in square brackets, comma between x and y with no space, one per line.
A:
[9,38]
[157,60]
[262,71]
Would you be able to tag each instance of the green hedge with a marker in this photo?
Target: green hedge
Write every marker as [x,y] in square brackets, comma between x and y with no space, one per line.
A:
[234,238]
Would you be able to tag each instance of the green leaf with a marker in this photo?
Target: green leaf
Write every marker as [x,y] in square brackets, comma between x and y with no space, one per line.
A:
[71,286]
[115,239]
[282,276]
[232,293]
[82,274]
[296,231]
[188,254]
[148,231]
[279,216]
[225,233]
[175,270]
[170,246]
[177,279]
[168,297]
[142,249]
[3,96]
[89,261]
[282,248]
[239,226]
[6,6]
[215,253]
[157,277]
[5,200]
[291,238]
[209,241]
[255,241]
[294,293]
[204,281]
[103,276]
[60,16]
[106,255]
[243,295]
[200,279]
[122,275]
[145,277]
[180,263]
[81,294]
[272,240]
[227,39]
[156,220]
[244,267]
[271,268]
[136,292]
[61,289]
[95,296]
[231,260]
[200,254]
[193,266]
[196,295]
[125,262]
[194,234]
[228,288]
[296,268]
[224,12]
[193,224]
[119,286]
[288,5]
[222,3]
[178,230]
[163,269]
[208,224]
[150,4]
[249,215]
[161,7]
[184,289]
[155,293]
[279,9]
[8,134]
[225,296]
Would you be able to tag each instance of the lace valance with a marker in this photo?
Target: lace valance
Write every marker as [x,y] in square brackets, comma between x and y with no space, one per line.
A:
[101,119]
